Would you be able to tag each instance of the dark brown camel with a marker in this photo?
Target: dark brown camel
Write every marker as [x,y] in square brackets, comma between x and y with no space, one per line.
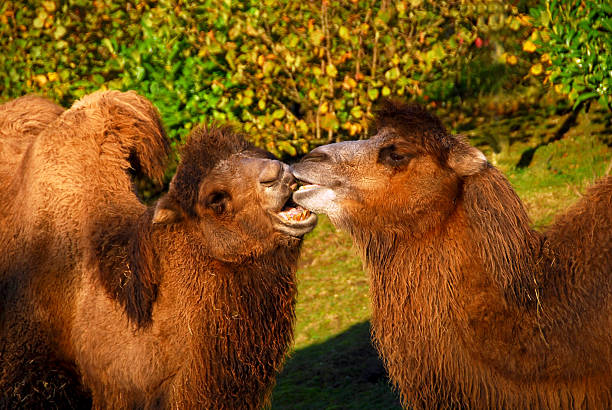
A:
[472,308]
[185,304]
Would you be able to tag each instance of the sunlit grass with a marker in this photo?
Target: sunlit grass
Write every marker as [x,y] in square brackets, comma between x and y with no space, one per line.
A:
[333,293]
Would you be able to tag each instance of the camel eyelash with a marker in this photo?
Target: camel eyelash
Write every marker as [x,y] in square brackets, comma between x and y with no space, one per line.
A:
[389,155]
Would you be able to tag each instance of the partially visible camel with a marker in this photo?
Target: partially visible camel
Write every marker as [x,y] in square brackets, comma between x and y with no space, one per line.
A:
[472,308]
[188,303]
[20,122]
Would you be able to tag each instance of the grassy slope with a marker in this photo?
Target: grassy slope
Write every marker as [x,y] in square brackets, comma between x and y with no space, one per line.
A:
[333,365]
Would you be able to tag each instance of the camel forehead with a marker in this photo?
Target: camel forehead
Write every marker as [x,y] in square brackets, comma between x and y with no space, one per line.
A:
[390,133]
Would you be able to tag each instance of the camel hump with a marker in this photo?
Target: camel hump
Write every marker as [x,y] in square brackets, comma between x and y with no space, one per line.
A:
[584,232]
[133,125]
[26,116]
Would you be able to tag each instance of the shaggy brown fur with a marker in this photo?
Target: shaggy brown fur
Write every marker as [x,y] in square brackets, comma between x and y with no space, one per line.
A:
[471,307]
[20,121]
[188,304]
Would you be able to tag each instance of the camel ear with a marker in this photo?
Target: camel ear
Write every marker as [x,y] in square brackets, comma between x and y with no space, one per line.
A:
[167,211]
[466,160]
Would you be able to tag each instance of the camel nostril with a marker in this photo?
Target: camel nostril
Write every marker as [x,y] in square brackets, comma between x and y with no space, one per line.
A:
[316,156]
[270,173]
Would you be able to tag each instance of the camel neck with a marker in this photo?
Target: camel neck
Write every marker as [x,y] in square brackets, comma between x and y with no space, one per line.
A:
[234,328]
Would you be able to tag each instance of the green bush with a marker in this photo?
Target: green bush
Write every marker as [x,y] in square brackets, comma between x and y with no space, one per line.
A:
[300,74]
[64,49]
[574,39]
[293,75]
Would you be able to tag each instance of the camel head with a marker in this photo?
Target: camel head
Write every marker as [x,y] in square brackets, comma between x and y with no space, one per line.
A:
[236,198]
[406,177]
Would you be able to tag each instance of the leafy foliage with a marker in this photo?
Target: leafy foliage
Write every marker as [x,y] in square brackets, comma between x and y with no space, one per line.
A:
[574,39]
[64,49]
[293,74]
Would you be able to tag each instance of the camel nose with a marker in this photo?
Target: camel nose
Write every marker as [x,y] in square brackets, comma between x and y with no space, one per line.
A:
[275,171]
[270,172]
[340,152]
[318,154]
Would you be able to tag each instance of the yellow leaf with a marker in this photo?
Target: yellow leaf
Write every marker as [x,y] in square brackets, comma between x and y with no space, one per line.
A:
[52,76]
[524,19]
[511,59]
[536,69]
[302,126]
[324,108]
[40,79]
[528,46]
[349,83]
[331,70]
[49,6]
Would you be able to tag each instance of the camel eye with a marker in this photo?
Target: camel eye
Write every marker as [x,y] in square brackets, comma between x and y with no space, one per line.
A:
[218,201]
[390,156]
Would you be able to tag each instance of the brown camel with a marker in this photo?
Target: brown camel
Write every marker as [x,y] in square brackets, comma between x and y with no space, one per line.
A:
[188,303]
[471,308]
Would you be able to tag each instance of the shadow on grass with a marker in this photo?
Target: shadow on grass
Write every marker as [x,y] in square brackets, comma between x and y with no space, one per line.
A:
[342,373]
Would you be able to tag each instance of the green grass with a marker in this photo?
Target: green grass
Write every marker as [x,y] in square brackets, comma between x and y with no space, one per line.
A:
[333,364]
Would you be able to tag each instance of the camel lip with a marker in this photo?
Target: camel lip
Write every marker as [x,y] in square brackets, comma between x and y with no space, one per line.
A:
[293,219]
[305,182]
[297,228]
[307,187]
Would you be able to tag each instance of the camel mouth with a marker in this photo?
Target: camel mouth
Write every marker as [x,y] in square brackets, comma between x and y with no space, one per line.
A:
[306,190]
[307,184]
[294,220]
[307,187]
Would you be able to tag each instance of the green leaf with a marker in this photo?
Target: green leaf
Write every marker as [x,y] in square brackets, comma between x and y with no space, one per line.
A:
[140,73]
[584,97]
[343,32]
[316,37]
[331,70]
[285,146]
[39,21]
[59,32]
[373,94]
[392,74]
[107,43]
[278,114]
[330,122]
[356,111]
